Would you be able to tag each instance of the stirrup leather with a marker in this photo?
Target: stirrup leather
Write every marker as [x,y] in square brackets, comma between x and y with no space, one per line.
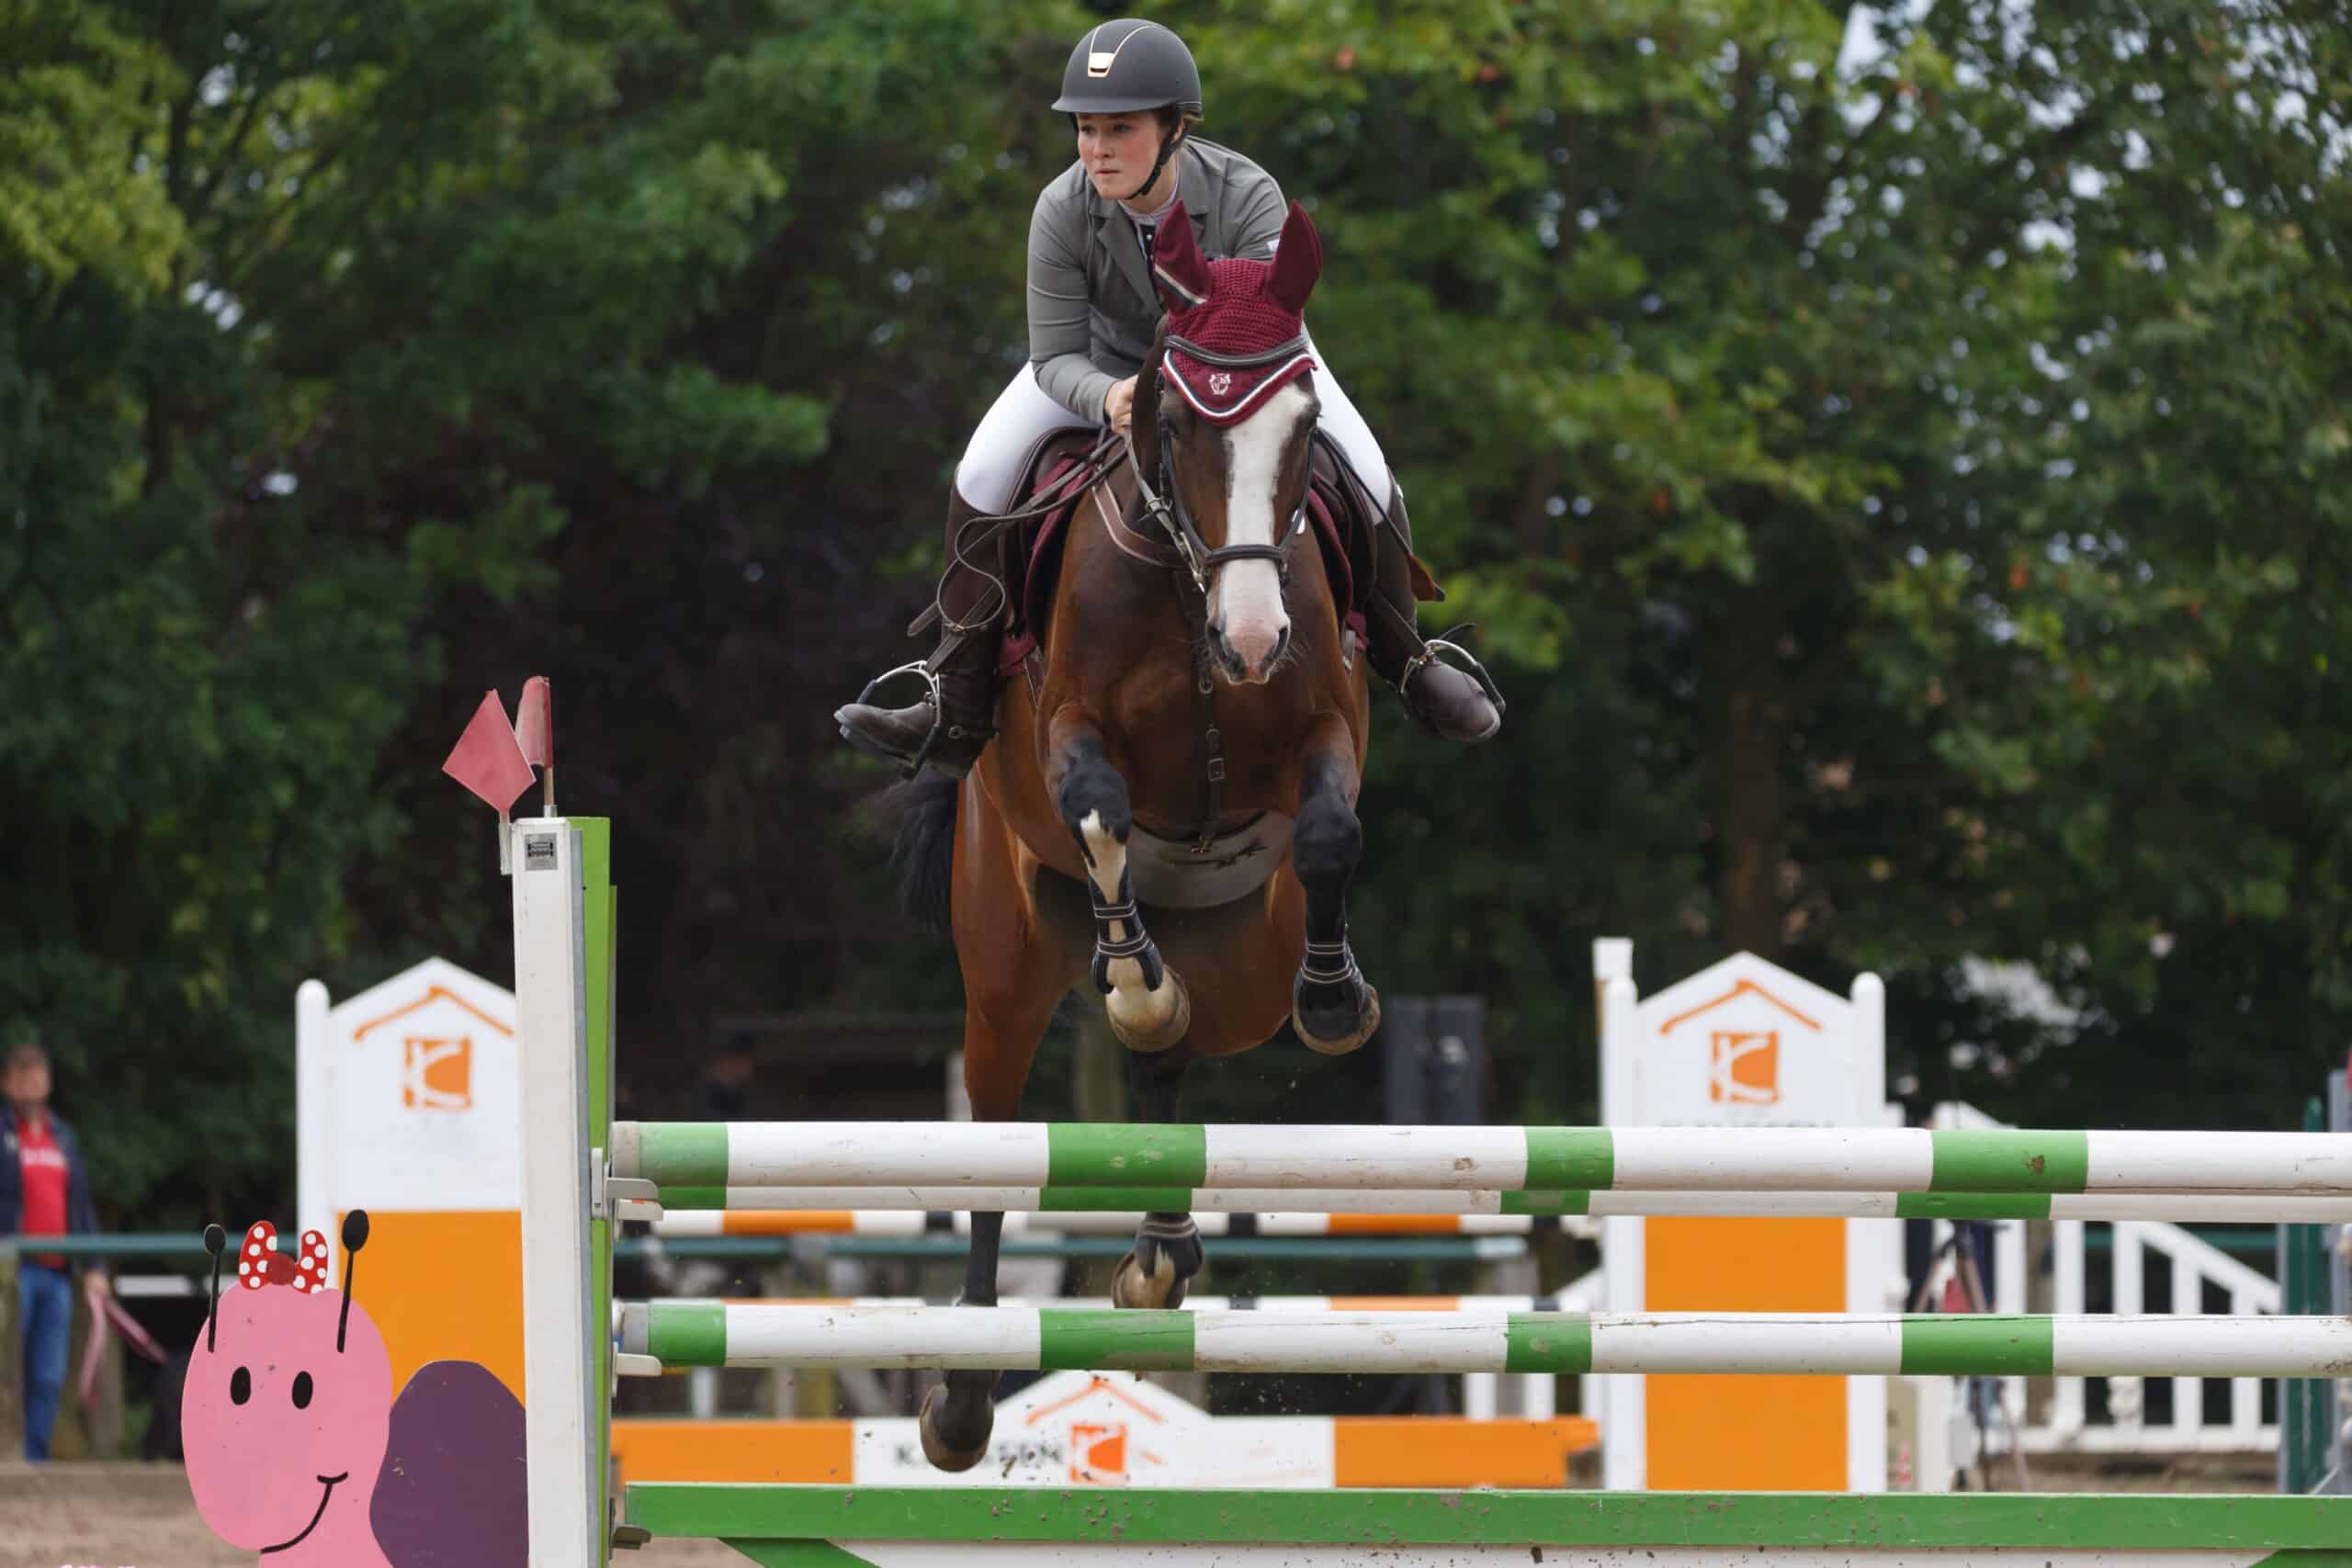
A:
[940,730]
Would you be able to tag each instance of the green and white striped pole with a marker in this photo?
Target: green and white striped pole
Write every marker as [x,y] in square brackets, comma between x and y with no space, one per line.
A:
[1162,1165]
[901,1211]
[751,1333]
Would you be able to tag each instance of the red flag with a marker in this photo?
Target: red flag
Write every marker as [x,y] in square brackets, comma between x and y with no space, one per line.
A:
[488,759]
[534,722]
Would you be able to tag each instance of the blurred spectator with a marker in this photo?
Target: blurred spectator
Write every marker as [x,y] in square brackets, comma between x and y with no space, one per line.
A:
[725,1087]
[44,1191]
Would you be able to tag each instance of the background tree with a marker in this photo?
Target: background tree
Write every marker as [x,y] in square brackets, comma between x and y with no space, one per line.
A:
[1894,464]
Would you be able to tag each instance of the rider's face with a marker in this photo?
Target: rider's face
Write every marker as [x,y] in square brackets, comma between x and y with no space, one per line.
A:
[1117,149]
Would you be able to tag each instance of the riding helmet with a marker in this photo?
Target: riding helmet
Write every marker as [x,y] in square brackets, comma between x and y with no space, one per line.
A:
[1127,65]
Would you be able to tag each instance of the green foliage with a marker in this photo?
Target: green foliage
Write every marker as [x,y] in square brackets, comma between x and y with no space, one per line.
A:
[1897,461]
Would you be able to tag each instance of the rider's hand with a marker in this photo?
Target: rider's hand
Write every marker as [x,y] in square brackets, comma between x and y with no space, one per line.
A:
[1119,404]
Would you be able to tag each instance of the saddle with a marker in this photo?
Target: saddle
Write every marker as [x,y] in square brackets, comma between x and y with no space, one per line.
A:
[1340,514]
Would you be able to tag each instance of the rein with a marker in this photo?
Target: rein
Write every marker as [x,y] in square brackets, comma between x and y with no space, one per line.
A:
[1165,506]
[1099,464]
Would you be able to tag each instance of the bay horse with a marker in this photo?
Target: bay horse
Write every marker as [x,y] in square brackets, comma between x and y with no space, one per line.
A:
[1188,740]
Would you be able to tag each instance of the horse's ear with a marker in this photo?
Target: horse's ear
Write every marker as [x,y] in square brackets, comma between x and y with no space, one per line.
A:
[1298,262]
[1177,265]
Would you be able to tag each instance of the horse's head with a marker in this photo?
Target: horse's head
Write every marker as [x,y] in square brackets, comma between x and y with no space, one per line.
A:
[1231,404]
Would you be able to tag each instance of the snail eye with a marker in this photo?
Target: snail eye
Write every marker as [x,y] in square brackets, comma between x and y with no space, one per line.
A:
[241,1386]
[302,1391]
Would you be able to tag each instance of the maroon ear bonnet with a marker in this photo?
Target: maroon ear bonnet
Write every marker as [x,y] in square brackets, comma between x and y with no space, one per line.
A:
[1241,309]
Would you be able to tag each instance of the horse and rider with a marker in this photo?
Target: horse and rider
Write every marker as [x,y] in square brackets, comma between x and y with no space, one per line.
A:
[1152,786]
[1133,92]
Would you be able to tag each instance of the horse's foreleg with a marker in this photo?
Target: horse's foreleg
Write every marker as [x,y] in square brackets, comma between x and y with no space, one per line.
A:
[958,1415]
[1149,1006]
[1016,969]
[1333,1007]
[1167,1250]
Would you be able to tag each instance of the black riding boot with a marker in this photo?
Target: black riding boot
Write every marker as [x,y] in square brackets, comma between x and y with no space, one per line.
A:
[949,734]
[1451,703]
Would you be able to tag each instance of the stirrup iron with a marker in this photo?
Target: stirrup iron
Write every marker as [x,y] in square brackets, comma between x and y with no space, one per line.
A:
[1462,659]
[907,766]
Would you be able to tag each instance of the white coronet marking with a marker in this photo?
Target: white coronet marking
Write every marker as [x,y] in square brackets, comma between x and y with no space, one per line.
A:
[1135,1008]
[1110,862]
[1248,598]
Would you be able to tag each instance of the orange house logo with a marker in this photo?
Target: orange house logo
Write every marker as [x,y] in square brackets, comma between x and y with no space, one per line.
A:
[1743,1067]
[1097,1452]
[1098,1438]
[436,1070]
[437,1075]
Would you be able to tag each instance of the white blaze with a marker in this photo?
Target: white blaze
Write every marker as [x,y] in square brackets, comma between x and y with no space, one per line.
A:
[1248,595]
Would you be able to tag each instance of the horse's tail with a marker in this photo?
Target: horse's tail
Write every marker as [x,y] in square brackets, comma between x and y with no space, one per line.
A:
[923,854]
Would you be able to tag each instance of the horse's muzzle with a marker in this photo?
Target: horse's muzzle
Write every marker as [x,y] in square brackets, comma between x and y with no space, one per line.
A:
[1237,666]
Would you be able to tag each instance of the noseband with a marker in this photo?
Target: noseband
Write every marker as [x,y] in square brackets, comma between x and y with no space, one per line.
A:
[1166,505]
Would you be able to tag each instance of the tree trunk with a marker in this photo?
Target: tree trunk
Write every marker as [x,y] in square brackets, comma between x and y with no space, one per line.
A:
[1751,820]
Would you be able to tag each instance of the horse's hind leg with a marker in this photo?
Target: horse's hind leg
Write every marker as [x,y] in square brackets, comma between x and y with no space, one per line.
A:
[1167,1250]
[1333,1007]
[1149,1007]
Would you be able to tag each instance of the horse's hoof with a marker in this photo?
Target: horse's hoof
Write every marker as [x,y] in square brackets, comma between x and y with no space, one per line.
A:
[1332,1031]
[957,1452]
[1151,1041]
[1163,1288]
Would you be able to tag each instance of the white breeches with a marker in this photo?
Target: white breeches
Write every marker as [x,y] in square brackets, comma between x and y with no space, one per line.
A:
[1023,413]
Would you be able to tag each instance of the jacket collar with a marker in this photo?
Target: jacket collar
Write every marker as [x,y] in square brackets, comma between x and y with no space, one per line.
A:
[1192,190]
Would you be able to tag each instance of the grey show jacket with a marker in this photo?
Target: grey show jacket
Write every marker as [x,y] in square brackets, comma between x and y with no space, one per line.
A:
[1092,307]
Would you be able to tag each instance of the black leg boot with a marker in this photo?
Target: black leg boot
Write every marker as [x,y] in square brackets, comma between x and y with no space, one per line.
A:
[946,730]
[1452,704]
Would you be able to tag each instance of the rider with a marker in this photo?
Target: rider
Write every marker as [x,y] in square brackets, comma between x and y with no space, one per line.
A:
[1134,94]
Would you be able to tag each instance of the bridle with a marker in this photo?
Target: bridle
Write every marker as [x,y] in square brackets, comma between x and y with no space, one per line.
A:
[1166,505]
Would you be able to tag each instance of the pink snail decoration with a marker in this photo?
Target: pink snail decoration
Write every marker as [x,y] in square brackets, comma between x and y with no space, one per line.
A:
[297,1450]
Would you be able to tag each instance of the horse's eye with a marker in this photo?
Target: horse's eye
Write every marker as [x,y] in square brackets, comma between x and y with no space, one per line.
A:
[241,1386]
[302,1390]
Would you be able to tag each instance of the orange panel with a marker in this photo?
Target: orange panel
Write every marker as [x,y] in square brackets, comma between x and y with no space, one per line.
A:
[1437,1450]
[1396,1303]
[404,1277]
[1392,1224]
[764,1451]
[788,1222]
[1745,1433]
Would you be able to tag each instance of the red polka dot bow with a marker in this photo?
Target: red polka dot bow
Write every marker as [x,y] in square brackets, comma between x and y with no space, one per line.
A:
[260,1263]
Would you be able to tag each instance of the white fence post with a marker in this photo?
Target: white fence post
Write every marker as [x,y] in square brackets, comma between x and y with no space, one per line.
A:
[2187,1394]
[2126,1399]
[2066,1398]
